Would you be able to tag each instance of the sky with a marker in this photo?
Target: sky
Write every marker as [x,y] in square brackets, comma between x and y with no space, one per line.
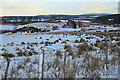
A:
[45,7]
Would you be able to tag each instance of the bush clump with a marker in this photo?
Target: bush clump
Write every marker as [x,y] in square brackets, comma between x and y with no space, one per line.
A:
[20,53]
[76,41]
[83,48]
[59,54]
[82,40]
[69,50]
[6,55]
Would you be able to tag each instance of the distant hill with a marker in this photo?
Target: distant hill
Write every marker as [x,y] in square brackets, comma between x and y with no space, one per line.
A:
[21,20]
[64,16]
[74,16]
[108,19]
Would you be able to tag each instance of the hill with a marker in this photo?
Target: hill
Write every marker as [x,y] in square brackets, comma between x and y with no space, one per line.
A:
[108,19]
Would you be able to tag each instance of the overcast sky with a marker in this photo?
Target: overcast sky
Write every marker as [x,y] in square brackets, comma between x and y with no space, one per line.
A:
[40,7]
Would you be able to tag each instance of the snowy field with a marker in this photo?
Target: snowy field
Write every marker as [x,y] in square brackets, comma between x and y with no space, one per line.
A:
[7,27]
[65,55]
[43,25]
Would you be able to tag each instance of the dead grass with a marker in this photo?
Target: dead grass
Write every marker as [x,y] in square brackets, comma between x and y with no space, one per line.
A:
[59,54]
[83,48]
[82,40]
[6,55]
[76,41]
[69,49]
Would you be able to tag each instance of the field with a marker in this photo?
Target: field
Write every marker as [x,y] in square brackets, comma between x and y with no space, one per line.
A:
[60,54]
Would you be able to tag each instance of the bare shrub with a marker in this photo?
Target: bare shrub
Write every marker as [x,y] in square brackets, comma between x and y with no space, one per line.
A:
[82,40]
[87,37]
[64,42]
[20,53]
[40,37]
[96,44]
[69,50]
[76,41]
[6,55]
[23,43]
[59,54]
[83,48]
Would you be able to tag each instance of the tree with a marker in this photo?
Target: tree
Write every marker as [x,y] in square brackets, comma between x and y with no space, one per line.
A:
[23,19]
[71,24]
[16,19]
[31,19]
[79,24]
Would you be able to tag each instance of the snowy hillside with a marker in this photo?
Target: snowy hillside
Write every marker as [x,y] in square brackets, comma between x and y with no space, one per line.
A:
[44,25]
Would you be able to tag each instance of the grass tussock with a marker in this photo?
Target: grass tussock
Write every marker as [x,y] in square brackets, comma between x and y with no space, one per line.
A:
[59,54]
[83,48]
[69,49]
[6,55]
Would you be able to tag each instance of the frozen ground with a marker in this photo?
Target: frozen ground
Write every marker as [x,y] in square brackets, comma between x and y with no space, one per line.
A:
[66,30]
[7,27]
[65,55]
[50,43]
[44,25]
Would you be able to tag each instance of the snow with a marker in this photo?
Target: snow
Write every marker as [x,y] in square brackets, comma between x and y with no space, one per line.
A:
[30,66]
[43,25]
[66,30]
[86,21]
[7,27]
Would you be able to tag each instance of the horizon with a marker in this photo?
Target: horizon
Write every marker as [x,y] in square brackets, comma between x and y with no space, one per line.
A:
[65,14]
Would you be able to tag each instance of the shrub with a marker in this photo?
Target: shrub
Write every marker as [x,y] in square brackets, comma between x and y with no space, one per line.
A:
[76,41]
[83,48]
[40,37]
[97,41]
[101,46]
[6,55]
[35,53]
[97,44]
[112,38]
[82,40]
[59,54]
[46,43]
[28,47]
[19,53]
[27,60]
[118,43]
[47,39]
[23,43]
[64,42]
[101,36]
[67,47]
[87,37]
[30,53]
[69,50]
[57,62]
[41,42]
[113,48]
[59,39]
[117,39]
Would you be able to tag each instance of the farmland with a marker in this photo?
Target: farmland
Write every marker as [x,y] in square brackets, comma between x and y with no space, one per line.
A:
[62,53]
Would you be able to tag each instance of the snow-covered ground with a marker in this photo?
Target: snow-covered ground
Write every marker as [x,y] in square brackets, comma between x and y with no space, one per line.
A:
[66,30]
[28,52]
[7,27]
[29,42]
[44,25]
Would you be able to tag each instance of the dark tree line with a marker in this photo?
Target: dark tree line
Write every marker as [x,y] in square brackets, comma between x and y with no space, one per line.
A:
[74,24]
[20,19]
[108,19]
